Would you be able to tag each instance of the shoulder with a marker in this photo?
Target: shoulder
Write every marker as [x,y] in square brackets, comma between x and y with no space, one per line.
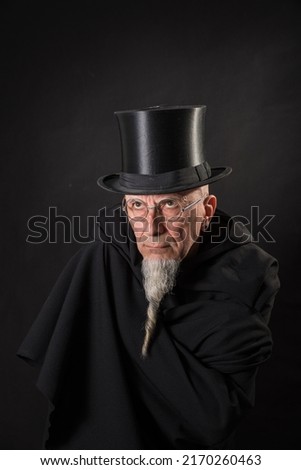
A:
[236,265]
[249,258]
[111,234]
[249,273]
[232,245]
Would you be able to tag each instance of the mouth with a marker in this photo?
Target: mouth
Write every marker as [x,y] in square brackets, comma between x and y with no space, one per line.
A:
[157,246]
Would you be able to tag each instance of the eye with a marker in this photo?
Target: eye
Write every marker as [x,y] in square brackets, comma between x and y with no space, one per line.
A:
[170,203]
[136,204]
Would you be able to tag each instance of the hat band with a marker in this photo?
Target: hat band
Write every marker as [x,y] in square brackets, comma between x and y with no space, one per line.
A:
[169,179]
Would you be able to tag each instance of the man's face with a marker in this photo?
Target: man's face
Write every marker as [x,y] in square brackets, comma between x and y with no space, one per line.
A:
[160,236]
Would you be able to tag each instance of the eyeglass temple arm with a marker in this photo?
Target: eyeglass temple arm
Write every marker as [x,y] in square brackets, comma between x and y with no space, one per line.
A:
[194,202]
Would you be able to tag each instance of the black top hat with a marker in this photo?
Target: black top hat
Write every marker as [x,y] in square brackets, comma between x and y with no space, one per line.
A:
[162,151]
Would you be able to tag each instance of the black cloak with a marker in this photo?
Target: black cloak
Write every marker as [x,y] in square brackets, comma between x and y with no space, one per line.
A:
[199,378]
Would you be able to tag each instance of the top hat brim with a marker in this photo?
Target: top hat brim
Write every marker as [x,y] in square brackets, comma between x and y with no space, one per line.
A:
[157,184]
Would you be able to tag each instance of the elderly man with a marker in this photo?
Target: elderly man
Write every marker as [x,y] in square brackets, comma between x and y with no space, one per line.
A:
[153,334]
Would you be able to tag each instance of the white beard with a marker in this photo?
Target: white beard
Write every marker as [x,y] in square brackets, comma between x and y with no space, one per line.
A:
[159,278]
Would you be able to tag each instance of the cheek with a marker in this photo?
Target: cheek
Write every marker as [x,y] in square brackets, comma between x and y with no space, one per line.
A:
[176,235]
[180,232]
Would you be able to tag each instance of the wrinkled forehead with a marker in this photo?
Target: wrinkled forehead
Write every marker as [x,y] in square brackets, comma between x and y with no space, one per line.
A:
[150,198]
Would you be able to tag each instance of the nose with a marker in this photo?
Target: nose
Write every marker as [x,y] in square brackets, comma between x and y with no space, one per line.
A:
[155,222]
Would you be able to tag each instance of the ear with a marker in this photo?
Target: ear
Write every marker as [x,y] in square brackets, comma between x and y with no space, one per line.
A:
[210,204]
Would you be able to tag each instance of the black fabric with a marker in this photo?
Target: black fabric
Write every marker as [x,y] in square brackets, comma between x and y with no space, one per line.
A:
[182,176]
[199,378]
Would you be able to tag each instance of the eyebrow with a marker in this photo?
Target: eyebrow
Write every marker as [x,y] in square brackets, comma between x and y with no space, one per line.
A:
[177,198]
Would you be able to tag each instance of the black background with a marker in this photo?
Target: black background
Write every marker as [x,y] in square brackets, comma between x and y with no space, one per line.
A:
[66,68]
